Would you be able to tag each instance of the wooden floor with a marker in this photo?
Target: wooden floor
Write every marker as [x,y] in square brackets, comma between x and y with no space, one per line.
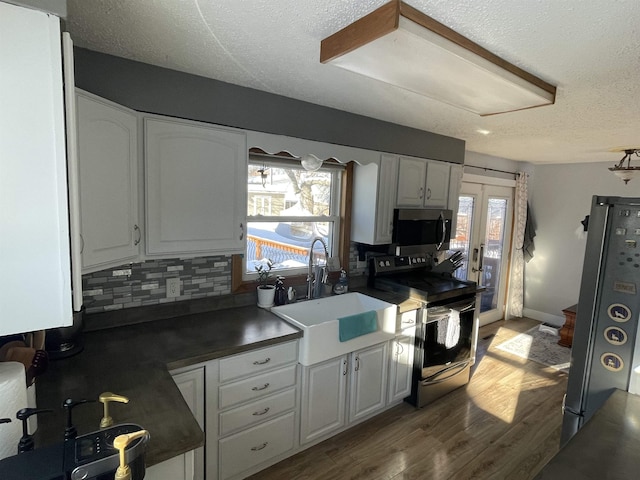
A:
[504,425]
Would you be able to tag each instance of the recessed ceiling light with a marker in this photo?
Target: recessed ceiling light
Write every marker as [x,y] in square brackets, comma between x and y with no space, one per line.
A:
[482,131]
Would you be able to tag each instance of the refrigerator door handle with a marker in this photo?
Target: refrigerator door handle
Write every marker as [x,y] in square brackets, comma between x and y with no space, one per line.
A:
[569,410]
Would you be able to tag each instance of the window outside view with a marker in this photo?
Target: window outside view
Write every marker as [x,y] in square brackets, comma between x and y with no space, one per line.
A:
[287,207]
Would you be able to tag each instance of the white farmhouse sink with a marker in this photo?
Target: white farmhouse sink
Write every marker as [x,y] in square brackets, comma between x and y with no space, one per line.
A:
[318,319]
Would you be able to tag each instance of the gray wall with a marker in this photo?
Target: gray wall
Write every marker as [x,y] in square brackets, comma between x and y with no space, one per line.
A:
[560,198]
[153,89]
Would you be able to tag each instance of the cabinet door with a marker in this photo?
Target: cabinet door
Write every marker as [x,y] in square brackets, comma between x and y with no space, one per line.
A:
[374,184]
[386,201]
[368,381]
[190,382]
[195,187]
[34,238]
[323,399]
[411,177]
[179,467]
[400,367]
[437,192]
[108,182]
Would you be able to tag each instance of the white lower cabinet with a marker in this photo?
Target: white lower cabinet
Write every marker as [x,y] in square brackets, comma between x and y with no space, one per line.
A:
[401,358]
[252,416]
[324,398]
[256,445]
[357,380]
[190,465]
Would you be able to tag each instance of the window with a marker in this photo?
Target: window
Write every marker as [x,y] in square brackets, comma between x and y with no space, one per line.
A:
[287,207]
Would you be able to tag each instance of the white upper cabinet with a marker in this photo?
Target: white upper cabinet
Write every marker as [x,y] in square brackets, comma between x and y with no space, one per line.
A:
[108,182]
[374,198]
[411,177]
[195,187]
[423,183]
[437,186]
[34,227]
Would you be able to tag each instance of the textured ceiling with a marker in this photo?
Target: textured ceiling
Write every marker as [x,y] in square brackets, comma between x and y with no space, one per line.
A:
[590,49]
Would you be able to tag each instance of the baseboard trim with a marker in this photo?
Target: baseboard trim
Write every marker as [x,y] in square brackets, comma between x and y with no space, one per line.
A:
[556,320]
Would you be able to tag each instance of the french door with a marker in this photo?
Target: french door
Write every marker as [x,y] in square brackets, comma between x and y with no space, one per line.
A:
[483,234]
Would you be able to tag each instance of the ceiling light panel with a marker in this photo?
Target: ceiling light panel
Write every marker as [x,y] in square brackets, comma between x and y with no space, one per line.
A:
[399,45]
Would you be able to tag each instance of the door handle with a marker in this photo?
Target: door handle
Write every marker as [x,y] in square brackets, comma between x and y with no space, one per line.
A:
[481,260]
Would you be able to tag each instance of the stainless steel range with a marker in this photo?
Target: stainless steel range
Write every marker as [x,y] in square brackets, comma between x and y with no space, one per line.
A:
[446,333]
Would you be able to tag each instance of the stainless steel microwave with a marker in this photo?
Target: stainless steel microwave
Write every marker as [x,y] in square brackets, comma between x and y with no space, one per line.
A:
[421,230]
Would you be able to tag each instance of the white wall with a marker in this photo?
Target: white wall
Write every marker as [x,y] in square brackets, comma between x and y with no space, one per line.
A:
[560,198]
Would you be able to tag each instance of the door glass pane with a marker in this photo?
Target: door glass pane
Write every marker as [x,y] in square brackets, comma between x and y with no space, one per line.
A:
[462,239]
[494,244]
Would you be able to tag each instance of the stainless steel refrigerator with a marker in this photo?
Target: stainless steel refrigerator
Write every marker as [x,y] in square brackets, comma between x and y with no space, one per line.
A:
[606,348]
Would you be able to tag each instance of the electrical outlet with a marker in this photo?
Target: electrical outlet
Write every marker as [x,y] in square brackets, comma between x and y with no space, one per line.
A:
[173,287]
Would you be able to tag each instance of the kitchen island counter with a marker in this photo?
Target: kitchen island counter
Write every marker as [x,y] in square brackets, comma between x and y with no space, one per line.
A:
[135,360]
[605,447]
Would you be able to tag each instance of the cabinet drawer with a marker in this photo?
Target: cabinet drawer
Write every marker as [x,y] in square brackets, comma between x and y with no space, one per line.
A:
[255,387]
[258,444]
[406,320]
[257,361]
[258,411]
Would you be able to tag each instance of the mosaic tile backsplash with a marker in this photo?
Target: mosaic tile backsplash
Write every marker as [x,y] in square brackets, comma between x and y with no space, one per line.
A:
[145,283]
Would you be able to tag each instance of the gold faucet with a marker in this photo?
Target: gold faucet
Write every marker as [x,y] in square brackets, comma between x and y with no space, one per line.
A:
[105,398]
[123,472]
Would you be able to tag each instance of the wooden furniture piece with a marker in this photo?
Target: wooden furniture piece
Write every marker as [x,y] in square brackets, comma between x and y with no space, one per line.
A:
[566,332]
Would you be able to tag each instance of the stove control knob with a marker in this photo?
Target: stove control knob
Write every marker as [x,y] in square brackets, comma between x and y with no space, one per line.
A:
[387,263]
[381,263]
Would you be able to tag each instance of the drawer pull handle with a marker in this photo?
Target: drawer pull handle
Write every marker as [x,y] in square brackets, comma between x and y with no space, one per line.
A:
[255,449]
[262,412]
[266,360]
[256,389]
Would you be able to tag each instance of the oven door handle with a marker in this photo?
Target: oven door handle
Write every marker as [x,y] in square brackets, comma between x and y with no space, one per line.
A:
[452,370]
[466,308]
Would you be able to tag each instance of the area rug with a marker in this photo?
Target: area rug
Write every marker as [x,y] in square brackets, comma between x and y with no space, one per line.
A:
[540,347]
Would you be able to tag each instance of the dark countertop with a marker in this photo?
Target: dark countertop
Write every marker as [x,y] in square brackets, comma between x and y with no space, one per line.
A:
[606,447]
[135,360]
